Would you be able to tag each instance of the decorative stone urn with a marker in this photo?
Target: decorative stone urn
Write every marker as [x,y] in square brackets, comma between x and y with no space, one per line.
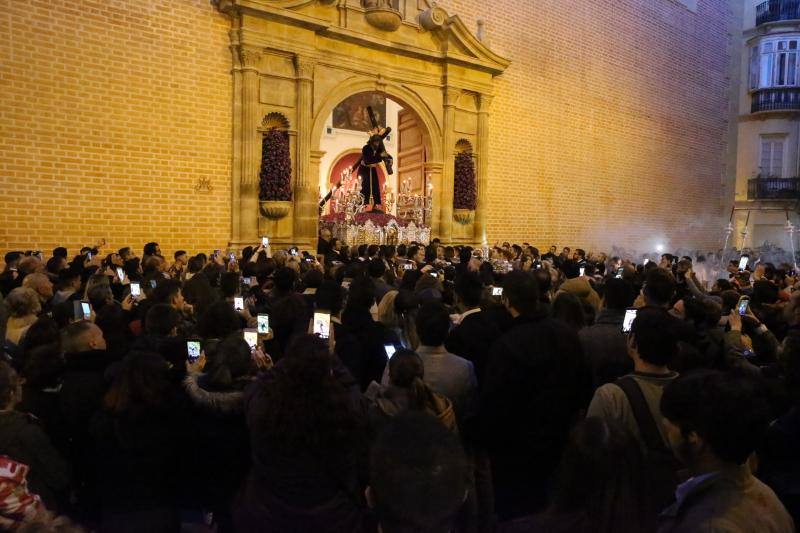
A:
[275,209]
[383,18]
[464,216]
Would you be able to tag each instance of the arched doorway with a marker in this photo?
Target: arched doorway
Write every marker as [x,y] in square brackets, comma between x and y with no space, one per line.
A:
[346,132]
[411,143]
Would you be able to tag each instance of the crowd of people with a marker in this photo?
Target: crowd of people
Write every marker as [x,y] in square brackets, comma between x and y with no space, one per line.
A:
[409,388]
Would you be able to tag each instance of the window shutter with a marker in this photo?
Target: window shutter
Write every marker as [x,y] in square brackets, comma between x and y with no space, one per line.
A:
[776,168]
[766,158]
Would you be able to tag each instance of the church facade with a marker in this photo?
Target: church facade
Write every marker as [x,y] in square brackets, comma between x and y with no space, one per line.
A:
[591,123]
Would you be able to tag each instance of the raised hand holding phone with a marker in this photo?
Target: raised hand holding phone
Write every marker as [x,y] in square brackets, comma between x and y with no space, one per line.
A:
[251,337]
[196,366]
[262,359]
[127,303]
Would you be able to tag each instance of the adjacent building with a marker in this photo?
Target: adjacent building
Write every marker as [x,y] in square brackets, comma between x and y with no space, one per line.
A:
[768,158]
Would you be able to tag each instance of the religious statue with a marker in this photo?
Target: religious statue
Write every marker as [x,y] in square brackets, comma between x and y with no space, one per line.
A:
[372,155]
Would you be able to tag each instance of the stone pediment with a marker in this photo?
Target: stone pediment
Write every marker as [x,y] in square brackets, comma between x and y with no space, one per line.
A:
[411,27]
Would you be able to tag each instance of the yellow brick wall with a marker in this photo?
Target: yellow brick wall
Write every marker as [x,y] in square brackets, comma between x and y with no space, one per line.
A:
[111,111]
[609,126]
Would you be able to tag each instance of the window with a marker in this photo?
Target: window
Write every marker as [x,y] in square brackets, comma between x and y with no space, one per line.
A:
[771,160]
[775,65]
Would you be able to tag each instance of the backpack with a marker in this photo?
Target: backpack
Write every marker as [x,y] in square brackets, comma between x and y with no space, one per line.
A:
[661,466]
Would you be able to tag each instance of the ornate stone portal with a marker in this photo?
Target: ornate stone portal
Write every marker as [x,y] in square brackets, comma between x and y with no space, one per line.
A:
[297,59]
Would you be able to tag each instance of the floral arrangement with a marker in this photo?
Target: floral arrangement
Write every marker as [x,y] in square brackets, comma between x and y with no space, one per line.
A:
[464,195]
[275,177]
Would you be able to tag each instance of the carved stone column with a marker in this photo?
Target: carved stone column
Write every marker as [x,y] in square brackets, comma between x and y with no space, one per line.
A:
[250,147]
[305,213]
[236,149]
[482,149]
[451,97]
[433,172]
[313,168]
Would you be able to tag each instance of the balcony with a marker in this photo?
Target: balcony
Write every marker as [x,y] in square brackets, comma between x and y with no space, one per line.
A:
[773,189]
[775,10]
[777,99]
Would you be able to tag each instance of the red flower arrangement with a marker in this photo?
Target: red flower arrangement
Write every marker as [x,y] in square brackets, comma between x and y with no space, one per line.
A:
[465,195]
[275,177]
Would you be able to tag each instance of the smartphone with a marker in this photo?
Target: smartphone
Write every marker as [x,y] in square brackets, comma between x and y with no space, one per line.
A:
[238,303]
[646,261]
[390,350]
[120,273]
[263,323]
[265,241]
[293,251]
[408,266]
[744,301]
[434,274]
[251,337]
[743,263]
[620,270]
[582,270]
[136,289]
[246,281]
[77,310]
[497,291]
[627,322]
[153,284]
[322,324]
[192,351]
[86,310]
[232,257]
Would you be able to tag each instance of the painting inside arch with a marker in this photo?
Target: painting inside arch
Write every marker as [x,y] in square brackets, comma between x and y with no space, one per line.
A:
[351,113]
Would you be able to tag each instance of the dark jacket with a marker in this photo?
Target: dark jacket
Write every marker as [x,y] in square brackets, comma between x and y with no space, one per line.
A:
[605,348]
[139,458]
[537,385]
[575,522]
[779,463]
[472,339]
[366,358]
[44,403]
[220,455]
[730,500]
[83,387]
[302,491]
[23,440]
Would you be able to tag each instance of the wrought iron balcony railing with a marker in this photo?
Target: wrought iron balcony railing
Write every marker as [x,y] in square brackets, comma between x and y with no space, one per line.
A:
[775,10]
[776,99]
[773,189]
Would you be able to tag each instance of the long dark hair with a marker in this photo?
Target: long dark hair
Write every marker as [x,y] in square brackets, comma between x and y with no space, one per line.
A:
[568,308]
[308,410]
[232,364]
[601,477]
[406,371]
[141,383]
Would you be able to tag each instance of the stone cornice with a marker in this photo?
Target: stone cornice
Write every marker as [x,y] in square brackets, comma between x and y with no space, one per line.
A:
[482,58]
[333,60]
